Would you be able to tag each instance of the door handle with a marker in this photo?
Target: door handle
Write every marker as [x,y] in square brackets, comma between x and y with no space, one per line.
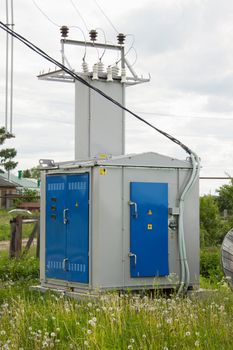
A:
[134,256]
[65,220]
[134,204]
[64,264]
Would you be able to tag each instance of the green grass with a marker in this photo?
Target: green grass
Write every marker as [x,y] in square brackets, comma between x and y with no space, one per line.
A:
[33,321]
[5,226]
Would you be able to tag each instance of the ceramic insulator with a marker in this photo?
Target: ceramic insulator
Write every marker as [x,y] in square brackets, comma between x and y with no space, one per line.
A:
[95,72]
[85,67]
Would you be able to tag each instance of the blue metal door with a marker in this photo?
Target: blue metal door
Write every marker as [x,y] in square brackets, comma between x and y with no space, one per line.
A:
[67,229]
[77,228]
[148,229]
[55,228]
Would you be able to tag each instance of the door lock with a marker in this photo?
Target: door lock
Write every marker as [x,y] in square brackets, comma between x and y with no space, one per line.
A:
[65,220]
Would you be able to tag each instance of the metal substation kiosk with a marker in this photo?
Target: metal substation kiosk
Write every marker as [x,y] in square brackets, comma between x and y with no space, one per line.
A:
[110,220]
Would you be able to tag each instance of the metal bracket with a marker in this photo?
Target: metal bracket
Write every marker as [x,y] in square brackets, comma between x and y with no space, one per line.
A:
[47,164]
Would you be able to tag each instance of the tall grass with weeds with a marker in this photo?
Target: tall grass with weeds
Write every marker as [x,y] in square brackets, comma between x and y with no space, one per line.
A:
[33,321]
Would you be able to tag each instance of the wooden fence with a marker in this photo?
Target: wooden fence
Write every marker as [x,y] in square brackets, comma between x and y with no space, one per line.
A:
[16,249]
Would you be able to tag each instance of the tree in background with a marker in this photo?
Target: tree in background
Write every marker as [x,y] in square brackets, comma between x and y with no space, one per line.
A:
[7,154]
[225,197]
[33,173]
[210,221]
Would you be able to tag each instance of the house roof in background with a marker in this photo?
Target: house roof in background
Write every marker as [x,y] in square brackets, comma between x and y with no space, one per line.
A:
[23,182]
[6,183]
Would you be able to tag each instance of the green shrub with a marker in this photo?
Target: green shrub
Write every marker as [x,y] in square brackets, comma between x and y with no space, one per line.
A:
[210,265]
[26,268]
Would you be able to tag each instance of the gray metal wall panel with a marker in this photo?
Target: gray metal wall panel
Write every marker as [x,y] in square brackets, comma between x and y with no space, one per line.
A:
[99,124]
[107,229]
[82,113]
[42,227]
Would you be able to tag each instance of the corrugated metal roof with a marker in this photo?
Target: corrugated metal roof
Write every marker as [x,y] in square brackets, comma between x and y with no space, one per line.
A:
[23,182]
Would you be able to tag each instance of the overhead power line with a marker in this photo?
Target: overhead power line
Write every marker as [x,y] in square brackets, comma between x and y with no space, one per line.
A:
[44,14]
[83,81]
[106,16]
[171,115]
[80,14]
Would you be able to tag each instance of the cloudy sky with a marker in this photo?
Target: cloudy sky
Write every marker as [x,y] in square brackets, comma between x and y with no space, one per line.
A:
[186,46]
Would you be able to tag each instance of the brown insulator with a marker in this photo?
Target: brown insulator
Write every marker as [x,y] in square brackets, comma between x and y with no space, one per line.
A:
[93,34]
[64,31]
[121,38]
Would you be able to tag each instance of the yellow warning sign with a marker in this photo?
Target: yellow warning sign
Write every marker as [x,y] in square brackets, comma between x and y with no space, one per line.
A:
[149,226]
[103,156]
[149,212]
[103,171]
[76,204]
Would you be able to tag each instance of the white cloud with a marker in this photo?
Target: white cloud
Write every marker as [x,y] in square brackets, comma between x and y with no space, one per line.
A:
[186,45]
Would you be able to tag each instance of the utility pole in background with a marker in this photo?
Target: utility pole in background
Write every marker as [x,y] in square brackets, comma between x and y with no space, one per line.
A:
[9,68]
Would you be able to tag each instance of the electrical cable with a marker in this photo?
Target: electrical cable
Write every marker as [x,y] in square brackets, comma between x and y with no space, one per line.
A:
[80,15]
[132,44]
[136,56]
[44,14]
[106,17]
[194,158]
[105,42]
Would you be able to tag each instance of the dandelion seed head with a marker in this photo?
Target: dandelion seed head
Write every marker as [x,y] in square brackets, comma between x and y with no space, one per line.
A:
[91,323]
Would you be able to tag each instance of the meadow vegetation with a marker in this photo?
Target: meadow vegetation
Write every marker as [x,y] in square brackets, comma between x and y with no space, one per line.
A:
[33,321]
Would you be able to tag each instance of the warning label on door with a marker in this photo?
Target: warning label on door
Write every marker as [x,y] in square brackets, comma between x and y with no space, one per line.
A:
[103,171]
[149,226]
